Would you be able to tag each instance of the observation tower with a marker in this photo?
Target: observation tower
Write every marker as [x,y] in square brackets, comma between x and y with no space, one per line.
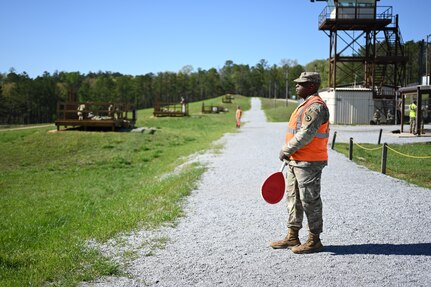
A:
[365,46]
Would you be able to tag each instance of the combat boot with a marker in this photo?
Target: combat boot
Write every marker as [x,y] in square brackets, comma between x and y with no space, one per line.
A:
[312,245]
[289,241]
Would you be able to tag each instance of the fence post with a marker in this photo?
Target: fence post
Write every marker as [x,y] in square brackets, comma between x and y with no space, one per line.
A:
[380,136]
[384,157]
[351,149]
[333,140]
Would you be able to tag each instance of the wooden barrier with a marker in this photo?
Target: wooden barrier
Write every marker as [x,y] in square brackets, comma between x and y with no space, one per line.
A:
[95,114]
[171,109]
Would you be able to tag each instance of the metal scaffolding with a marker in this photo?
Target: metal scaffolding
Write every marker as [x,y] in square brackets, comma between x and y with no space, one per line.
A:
[365,46]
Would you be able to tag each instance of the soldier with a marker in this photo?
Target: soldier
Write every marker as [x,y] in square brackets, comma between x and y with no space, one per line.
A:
[376,117]
[390,117]
[305,151]
[110,111]
[183,105]
[80,112]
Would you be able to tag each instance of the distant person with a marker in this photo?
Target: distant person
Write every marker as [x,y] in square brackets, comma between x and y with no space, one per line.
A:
[118,112]
[412,115]
[110,111]
[238,116]
[80,113]
[183,105]
[305,151]
[424,117]
[376,117]
[390,117]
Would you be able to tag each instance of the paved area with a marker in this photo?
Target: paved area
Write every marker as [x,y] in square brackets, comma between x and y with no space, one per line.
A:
[370,134]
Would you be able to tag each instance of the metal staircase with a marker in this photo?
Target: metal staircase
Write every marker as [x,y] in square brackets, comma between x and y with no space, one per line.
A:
[390,59]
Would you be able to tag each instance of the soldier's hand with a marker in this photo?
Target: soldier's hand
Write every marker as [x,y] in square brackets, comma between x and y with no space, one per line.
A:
[282,156]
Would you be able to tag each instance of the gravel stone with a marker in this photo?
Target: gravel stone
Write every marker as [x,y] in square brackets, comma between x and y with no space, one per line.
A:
[376,228]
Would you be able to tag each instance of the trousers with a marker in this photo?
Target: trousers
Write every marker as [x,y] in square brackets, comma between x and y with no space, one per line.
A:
[303,196]
[412,125]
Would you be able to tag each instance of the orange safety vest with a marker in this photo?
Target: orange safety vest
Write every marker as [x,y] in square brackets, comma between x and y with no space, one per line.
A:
[238,114]
[316,150]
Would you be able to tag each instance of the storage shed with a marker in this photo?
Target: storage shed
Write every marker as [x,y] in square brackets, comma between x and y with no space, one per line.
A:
[349,106]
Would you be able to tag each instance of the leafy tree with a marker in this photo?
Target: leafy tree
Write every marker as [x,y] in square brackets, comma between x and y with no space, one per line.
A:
[70,83]
[26,100]
[45,97]
[123,91]
[226,76]
[103,89]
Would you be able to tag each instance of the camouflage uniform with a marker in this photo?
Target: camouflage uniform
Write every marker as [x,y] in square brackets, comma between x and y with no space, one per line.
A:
[303,177]
[81,109]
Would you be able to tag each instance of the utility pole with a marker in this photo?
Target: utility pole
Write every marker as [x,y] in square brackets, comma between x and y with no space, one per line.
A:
[287,88]
[426,62]
[269,89]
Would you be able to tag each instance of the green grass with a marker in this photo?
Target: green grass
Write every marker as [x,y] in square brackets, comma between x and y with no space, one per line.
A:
[59,190]
[413,170]
[276,110]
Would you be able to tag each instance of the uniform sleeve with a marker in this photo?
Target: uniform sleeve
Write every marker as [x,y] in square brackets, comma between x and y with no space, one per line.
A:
[315,115]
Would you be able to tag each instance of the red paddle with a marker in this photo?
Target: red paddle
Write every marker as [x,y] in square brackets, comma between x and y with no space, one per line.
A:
[272,189]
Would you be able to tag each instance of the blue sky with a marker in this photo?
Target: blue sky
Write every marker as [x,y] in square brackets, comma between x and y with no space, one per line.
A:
[141,36]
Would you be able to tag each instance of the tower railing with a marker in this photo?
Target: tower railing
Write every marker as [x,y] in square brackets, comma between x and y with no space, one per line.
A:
[358,12]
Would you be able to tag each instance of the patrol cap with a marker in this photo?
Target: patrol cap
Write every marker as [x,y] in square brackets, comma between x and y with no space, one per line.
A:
[310,77]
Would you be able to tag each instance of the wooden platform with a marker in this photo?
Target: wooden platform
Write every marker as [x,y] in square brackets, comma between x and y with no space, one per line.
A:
[227,98]
[212,109]
[90,123]
[96,114]
[170,109]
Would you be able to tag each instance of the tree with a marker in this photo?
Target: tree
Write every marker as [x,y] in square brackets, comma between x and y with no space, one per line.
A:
[45,96]
[26,100]
[320,66]
[123,91]
[241,79]
[70,83]
[226,76]
[103,89]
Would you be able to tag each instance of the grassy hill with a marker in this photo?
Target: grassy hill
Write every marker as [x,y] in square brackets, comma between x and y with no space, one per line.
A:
[60,189]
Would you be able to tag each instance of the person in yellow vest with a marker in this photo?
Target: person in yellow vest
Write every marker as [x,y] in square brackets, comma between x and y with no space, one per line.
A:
[238,116]
[305,151]
[412,115]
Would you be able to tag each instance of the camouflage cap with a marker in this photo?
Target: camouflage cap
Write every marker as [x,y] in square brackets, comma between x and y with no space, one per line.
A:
[310,77]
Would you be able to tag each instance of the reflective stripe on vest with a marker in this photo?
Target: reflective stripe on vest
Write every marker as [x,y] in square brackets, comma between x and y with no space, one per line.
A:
[316,150]
[318,135]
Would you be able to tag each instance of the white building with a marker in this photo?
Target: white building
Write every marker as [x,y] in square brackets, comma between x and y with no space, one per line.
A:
[349,106]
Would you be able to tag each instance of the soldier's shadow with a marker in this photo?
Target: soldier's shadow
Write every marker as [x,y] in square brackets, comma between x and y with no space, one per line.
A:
[423,249]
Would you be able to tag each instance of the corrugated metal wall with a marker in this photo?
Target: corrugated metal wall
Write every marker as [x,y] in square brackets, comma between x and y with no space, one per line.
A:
[349,106]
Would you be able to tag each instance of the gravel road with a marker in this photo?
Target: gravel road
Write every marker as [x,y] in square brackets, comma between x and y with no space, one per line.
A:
[376,228]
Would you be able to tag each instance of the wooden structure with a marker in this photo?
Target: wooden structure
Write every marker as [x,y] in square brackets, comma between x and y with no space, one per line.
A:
[96,114]
[365,40]
[417,91]
[227,98]
[213,109]
[171,109]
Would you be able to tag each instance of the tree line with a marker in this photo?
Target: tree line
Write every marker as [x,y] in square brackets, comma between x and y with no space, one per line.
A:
[25,100]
